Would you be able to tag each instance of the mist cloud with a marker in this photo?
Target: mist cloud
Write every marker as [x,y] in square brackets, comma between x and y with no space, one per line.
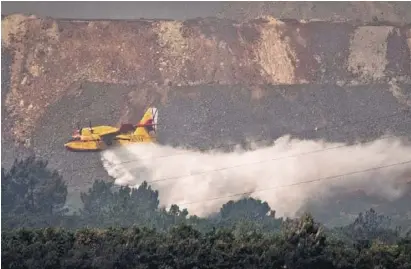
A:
[194,178]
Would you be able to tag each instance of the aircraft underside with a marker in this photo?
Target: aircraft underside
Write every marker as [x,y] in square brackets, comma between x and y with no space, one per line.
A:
[94,145]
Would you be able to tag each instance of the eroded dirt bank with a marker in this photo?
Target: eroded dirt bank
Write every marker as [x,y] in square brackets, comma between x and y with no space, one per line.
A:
[50,57]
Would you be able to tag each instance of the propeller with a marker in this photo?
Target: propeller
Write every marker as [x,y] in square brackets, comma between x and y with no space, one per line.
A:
[77,131]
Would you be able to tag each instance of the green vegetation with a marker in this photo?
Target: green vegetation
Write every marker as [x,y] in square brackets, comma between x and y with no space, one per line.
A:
[37,231]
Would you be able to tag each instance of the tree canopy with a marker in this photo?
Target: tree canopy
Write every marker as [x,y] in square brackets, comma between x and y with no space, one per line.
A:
[126,228]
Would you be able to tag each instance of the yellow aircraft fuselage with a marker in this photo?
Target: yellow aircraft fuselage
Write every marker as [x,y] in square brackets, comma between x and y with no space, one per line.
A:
[99,138]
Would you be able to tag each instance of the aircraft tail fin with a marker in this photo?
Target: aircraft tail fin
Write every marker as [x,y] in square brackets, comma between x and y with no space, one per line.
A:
[148,122]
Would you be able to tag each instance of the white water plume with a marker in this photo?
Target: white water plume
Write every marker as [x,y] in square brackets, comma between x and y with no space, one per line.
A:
[194,179]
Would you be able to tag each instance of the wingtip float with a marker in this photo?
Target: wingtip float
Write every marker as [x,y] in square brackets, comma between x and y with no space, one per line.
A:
[101,137]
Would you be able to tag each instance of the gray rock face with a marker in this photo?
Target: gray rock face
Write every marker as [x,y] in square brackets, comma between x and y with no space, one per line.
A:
[218,114]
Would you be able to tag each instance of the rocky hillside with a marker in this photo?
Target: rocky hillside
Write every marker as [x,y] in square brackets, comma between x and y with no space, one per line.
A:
[261,77]
[50,56]
[361,11]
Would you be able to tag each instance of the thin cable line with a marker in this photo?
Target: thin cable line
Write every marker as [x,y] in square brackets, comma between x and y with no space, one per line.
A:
[261,161]
[296,133]
[172,155]
[298,183]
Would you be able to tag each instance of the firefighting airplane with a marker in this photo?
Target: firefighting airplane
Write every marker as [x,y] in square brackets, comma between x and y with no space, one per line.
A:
[99,138]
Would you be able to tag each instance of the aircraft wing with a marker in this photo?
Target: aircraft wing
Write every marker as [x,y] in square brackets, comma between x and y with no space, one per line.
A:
[108,137]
